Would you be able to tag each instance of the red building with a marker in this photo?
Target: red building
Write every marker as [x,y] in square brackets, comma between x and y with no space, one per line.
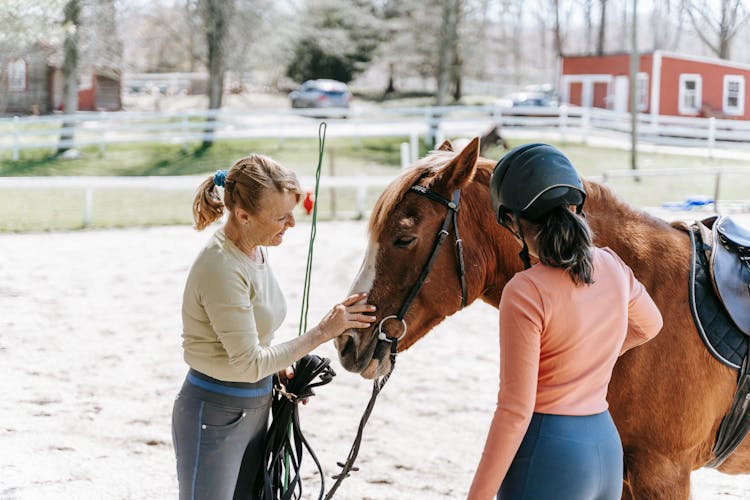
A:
[32,83]
[668,84]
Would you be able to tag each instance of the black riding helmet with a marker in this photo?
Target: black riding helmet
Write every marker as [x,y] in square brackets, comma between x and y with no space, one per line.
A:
[529,181]
[532,179]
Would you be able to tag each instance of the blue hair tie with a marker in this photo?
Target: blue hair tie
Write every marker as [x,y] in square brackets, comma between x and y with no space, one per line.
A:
[220,177]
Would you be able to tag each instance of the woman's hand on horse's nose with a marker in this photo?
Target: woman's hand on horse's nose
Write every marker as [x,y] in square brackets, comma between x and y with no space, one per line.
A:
[349,314]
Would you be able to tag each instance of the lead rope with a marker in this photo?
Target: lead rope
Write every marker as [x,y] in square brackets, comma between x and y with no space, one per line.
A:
[283,453]
[377,386]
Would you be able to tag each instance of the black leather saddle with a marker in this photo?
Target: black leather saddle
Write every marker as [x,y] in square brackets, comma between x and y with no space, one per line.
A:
[720,287]
[719,292]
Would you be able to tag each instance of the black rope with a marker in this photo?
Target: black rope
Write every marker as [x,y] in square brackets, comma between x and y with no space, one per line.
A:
[280,442]
[377,386]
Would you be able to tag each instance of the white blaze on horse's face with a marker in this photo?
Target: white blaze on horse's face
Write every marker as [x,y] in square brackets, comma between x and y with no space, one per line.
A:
[362,283]
[366,275]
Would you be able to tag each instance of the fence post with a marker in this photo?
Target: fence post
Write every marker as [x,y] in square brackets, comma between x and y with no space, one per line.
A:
[332,173]
[717,183]
[361,198]
[711,136]
[404,155]
[184,132]
[433,127]
[563,116]
[585,123]
[102,134]
[413,147]
[15,138]
[88,207]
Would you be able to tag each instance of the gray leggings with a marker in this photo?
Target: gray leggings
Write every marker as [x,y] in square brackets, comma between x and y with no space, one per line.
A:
[218,433]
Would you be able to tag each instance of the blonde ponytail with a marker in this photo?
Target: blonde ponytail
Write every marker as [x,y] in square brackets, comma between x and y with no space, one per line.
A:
[207,205]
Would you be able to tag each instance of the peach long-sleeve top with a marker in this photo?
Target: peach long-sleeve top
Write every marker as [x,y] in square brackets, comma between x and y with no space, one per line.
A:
[558,346]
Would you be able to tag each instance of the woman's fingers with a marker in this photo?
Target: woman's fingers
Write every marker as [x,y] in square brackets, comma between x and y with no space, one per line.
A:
[360,308]
[353,299]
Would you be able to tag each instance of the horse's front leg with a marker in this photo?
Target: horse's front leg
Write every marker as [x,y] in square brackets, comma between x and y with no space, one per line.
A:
[650,475]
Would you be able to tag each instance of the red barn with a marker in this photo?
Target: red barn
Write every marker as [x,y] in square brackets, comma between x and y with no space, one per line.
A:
[668,84]
[32,83]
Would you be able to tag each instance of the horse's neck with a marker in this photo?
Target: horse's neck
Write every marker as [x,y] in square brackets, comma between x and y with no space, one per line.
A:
[641,240]
[644,242]
[493,246]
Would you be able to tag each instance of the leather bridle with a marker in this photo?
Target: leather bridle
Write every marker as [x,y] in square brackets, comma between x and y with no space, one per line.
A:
[451,218]
[377,385]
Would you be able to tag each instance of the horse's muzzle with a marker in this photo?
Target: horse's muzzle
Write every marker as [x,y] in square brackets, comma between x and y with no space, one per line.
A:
[365,359]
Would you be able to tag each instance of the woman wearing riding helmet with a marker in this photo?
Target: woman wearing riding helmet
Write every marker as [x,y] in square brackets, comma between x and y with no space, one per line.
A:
[563,323]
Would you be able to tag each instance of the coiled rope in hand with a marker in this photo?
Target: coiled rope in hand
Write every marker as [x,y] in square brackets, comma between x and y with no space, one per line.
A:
[285,447]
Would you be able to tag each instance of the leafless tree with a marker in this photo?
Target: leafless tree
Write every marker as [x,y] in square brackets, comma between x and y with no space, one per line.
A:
[71,26]
[717,29]
[447,47]
[602,27]
[216,15]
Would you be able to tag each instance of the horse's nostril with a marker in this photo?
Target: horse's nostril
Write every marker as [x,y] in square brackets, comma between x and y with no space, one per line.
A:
[348,348]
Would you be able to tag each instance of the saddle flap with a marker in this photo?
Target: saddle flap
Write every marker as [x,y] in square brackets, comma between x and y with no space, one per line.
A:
[730,274]
[733,232]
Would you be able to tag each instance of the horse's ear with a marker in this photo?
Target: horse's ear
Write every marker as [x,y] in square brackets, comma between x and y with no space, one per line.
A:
[460,170]
[446,146]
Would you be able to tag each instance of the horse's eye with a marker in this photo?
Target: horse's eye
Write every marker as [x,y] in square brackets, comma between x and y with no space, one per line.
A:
[404,241]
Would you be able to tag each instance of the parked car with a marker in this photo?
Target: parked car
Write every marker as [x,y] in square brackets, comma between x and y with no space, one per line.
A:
[321,94]
[527,99]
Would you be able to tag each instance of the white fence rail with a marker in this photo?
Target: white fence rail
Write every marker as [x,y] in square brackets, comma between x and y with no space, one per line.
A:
[360,184]
[433,123]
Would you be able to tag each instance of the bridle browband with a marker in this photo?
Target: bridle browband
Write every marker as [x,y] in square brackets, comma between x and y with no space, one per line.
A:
[450,218]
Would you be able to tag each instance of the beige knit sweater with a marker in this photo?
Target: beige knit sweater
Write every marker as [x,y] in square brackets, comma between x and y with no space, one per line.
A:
[230,309]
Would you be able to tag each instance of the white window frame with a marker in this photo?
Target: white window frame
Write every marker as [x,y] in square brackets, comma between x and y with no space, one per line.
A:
[739,109]
[682,94]
[17,81]
[641,91]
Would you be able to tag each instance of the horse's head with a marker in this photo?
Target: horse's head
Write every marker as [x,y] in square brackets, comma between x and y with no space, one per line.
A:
[404,227]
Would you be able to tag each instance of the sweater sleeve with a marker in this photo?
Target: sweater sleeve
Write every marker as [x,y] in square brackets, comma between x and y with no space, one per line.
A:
[521,324]
[644,318]
[226,298]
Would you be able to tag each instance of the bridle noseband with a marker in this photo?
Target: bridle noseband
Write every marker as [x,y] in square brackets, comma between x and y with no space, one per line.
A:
[451,217]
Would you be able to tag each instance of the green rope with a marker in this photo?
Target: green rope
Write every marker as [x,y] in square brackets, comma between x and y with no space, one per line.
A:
[313,231]
[308,270]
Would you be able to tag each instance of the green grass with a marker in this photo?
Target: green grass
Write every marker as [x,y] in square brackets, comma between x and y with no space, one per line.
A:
[375,156]
[63,208]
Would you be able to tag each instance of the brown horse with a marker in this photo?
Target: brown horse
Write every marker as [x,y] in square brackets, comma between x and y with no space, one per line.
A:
[667,397]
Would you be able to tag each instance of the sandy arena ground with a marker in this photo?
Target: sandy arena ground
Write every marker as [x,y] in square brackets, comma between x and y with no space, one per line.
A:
[90,362]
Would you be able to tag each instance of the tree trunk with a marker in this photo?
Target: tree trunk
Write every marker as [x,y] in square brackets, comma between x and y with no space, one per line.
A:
[391,88]
[602,28]
[445,51]
[71,25]
[558,34]
[589,25]
[216,16]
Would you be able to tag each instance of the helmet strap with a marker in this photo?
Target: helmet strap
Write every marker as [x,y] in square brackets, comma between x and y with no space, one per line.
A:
[524,253]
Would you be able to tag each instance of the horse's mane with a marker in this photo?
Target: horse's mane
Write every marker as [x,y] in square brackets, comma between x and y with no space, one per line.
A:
[597,195]
[395,191]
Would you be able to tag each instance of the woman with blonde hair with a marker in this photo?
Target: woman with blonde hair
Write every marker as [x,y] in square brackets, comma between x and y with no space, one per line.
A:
[231,307]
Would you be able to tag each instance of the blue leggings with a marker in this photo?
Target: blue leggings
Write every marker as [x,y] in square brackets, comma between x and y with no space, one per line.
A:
[566,458]
[219,434]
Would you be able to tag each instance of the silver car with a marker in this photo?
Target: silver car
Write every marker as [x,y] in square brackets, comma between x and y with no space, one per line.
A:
[321,94]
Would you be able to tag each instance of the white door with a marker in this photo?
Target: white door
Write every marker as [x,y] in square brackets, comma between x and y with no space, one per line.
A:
[620,101]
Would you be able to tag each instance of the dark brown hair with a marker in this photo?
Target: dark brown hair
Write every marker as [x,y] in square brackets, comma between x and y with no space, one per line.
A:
[564,239]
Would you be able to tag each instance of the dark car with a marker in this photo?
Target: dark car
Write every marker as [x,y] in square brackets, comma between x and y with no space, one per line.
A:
[321,94]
